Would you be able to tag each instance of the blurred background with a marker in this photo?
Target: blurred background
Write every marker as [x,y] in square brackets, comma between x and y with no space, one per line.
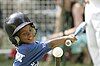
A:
[54,18]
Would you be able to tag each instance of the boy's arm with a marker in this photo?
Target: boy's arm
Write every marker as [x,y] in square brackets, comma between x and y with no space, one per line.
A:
[61,40]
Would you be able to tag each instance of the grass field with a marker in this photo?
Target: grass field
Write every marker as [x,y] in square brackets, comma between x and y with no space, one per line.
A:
[9,63]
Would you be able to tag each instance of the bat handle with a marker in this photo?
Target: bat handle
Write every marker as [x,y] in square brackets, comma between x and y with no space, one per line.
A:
[58,61]
[68,43]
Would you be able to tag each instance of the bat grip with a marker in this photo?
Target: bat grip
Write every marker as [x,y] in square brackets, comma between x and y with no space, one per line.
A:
[58,61]
[68,43]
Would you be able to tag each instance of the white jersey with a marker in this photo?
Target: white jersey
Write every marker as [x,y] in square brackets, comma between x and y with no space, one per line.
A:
[96,3]
[92,18]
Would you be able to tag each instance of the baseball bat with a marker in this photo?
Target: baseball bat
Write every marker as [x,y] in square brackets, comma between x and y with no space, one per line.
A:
[78,31]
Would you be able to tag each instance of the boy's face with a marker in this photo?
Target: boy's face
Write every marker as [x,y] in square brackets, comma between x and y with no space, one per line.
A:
[26,34]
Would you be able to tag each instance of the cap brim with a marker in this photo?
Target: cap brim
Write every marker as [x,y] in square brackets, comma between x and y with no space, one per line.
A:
[20,27]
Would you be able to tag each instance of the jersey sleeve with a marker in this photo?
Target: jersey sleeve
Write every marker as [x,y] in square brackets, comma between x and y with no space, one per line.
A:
[29,54]
[38,50]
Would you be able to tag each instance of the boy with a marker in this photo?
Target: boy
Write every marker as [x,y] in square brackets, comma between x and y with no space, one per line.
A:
[21,32]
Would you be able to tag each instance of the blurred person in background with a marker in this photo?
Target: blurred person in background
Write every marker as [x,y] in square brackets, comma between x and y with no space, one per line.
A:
[1,24]
[1,28]
[2,33]
[76,16]
[63,15]
[79,49]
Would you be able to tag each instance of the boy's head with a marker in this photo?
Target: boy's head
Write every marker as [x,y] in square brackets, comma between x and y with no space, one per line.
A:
[20,29]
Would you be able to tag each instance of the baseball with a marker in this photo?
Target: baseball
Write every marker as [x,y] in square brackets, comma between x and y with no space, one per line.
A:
[57,52]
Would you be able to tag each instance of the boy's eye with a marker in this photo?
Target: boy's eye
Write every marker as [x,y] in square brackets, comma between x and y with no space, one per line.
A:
[25,34]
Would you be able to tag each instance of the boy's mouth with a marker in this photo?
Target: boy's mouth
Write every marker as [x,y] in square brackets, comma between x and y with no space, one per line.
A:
[30,38]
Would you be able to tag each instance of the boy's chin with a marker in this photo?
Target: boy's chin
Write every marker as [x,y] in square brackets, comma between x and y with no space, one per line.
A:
[28,42]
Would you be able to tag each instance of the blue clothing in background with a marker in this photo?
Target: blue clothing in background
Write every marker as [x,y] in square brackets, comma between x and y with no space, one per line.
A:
[80,44]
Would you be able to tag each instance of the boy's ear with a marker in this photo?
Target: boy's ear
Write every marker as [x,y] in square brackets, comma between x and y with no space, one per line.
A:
[15,40]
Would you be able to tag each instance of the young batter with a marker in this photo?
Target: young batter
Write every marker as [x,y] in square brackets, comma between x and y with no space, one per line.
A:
[21,32]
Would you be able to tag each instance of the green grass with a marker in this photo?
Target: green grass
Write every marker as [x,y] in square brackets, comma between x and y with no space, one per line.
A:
[9,63]
[6,63]
[67,64]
